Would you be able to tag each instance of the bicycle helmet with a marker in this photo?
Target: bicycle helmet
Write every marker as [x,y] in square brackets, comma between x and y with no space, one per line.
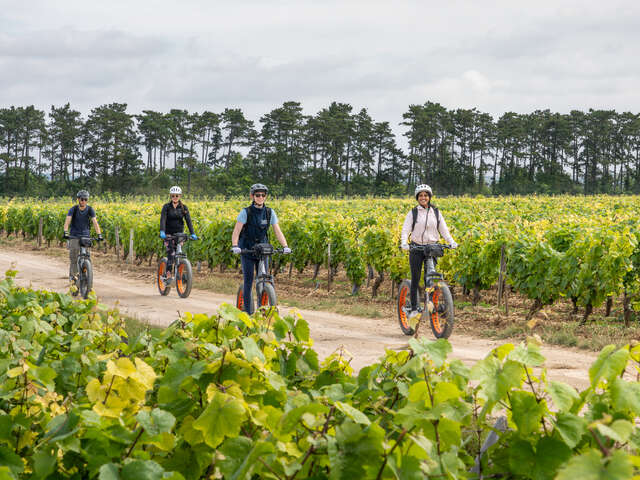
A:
[423,187]
[82,193]
[258,187]
[175,190]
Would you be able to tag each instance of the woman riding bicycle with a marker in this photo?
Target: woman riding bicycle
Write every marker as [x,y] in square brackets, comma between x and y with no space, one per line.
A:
[174,213]
[80,217]
[252,226]
[425,224]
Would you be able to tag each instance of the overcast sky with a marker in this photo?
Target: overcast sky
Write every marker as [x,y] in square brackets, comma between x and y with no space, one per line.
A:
[208,55]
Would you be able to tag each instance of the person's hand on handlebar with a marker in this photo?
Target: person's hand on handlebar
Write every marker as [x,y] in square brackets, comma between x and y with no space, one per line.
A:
[236,250]
[100,237]
[162,234]
[286,250]
[404,246]
[453,245]
[65,235]
[194,236]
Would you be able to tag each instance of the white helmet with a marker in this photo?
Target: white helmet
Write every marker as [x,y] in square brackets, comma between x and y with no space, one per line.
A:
[423,187]
[175,189]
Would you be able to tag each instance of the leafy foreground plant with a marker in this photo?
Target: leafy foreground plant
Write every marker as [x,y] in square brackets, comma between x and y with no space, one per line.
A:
[229,396]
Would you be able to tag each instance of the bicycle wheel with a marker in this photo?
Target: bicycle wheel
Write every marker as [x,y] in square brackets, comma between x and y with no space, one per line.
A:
[240,298]
[85,278]
[404,307]
[441,318]
[184,278]
[267,297]
[163,288]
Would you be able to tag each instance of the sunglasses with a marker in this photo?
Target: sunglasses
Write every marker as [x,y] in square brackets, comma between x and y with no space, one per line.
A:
[174,195]
[259,194]
[83,199]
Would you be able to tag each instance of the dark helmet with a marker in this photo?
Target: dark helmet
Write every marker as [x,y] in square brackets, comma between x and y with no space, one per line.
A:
[258,187]
[83,194]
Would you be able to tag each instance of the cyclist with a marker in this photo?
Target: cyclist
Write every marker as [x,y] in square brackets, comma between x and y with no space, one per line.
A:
[252,226]
[172,218]
[80,217]
[425,224]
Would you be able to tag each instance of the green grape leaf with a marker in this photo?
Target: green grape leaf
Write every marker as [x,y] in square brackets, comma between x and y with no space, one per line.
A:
[241,457]
[563,396]
[526,412]
[571,428]
[10,459]
[620,430]
[222,418]
[625,395]
[157,421]
[353,413]
[590,466]
[251,349]
[436,351]
[609,364]
[109,471]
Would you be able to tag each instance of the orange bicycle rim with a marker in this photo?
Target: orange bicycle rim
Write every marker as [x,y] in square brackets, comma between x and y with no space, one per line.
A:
[435,318]
[161,269]
[179,283]
[402,299]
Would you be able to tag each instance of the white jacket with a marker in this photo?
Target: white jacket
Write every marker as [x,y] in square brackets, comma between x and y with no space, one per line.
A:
[426,229]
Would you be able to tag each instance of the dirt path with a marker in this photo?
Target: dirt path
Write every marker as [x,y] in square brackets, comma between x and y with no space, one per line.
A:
[366,339]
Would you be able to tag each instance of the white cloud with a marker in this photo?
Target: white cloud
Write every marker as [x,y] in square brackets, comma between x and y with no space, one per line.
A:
[196,54]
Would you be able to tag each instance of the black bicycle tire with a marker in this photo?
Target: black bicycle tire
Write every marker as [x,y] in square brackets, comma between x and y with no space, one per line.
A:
[159,283]
[85,277]
[189,277]
[449,308]
[270,291]
[404,291]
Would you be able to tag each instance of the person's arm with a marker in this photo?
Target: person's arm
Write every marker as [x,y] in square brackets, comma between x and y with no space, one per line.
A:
[235,236]
[163,218]
[67,222]
[444,231]
[187,217]
[279,235]
[96,226]
[406,228]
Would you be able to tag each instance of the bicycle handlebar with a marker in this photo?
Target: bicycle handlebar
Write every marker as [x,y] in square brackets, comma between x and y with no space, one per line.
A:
[179,236]
[414,246]
[97,239]
[253,250]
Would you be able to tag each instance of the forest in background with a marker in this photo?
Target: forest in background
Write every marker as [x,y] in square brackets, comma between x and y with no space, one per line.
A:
[335,152]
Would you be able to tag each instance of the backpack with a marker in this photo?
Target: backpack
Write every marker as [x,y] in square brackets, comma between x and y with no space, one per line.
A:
[414,213]
[248,210]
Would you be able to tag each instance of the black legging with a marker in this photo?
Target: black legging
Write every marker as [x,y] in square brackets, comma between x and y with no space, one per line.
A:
[417,259]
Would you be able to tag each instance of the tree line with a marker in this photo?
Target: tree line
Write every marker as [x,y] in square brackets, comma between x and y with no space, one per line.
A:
[336,151]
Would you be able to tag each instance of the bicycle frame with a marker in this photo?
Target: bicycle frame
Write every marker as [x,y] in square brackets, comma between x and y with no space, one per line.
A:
[179,239]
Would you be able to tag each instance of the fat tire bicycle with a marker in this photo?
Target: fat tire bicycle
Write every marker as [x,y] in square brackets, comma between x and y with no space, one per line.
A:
[83,280]
[182,271]
[265,289]
[436,296]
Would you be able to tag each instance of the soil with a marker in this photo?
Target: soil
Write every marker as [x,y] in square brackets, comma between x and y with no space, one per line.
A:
[365,339]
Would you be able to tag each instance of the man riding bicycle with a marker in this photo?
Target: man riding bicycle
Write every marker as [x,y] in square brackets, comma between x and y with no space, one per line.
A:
[424,223]
[172,218]
[252,227]
[79,217]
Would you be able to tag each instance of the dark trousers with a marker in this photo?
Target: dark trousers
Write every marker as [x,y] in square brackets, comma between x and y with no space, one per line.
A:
[249,269]
[170,245]
[416,262]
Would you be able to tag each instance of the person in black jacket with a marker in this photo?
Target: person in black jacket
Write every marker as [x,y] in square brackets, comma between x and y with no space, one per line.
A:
[172,218]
